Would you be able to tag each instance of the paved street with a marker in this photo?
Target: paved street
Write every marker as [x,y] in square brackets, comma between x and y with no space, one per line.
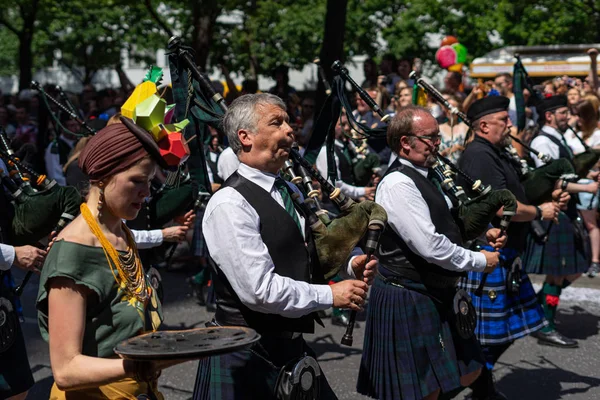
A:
[526,371]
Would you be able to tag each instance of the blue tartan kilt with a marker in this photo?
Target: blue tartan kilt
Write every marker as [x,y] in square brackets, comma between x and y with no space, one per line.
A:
[410,348]
[562,254]
[506,317]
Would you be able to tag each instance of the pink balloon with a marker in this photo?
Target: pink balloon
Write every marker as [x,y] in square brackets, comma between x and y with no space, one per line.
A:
[445,56]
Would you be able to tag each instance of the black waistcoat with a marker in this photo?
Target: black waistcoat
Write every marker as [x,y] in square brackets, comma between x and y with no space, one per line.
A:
[292,258]
[344,166]
[393,252]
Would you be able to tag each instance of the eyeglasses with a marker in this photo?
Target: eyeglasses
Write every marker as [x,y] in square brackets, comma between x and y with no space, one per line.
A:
[432,138]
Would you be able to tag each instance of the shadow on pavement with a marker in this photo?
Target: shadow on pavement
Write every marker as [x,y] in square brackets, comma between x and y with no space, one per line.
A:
[328,344]
[545,381]
[578,323]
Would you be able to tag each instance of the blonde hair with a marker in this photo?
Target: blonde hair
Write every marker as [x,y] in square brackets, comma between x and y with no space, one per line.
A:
[76,151]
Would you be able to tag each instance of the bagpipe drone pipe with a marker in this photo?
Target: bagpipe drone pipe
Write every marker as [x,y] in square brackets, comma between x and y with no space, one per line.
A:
[539,183]
[167,200]
[583,162]
[39,209]
[364,162]
[475,214]
[196,98]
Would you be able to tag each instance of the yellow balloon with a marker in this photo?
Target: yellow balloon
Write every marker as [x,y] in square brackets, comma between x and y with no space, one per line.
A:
[456,68]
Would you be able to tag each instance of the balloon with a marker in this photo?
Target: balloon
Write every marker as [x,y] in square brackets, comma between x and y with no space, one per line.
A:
[445,56]
[456,67]
[461,53]
[448,40]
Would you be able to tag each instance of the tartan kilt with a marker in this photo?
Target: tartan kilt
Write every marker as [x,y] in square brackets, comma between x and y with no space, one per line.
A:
[411,349]
[562,254]
[251,374]
[507,317]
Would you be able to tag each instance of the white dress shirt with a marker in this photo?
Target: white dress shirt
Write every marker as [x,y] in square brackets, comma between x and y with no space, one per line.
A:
[232,232]
[7,256]
[52,160]
[575,144]
[7,253]
[409,217]
[544,145]
[352,191]
[147,239]
[228,163]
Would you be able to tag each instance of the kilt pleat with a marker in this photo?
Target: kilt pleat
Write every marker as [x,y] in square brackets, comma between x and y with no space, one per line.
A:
[506,317]
[560,255]
[410,349]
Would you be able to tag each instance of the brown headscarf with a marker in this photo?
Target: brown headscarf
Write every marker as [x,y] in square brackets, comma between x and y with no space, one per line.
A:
[112,150]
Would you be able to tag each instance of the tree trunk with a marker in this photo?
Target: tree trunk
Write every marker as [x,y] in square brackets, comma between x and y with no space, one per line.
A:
[333,43]
[25,59]
[205,15]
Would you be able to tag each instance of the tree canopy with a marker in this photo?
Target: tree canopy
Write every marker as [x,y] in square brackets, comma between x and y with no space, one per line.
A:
[253,36]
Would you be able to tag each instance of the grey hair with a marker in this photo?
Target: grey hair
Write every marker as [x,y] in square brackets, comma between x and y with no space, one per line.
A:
[242,115]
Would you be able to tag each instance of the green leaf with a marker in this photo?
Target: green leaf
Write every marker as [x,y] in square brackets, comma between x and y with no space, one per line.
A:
[154,74]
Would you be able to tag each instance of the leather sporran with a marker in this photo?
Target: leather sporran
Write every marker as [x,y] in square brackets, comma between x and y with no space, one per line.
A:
[299,380]
[513,277]
[8,324]
[463,314]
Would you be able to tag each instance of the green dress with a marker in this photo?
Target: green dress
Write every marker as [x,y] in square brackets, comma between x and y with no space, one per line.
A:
[112,315]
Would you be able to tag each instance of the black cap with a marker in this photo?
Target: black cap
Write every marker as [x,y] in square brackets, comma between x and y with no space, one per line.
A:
[487,105]
[552,103]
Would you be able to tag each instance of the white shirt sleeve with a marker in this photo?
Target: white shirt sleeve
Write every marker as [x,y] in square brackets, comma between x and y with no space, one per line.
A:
[53,167]
[147,239]
[352,191]
[409,217]
[7,256]
[232,234]
[544,145]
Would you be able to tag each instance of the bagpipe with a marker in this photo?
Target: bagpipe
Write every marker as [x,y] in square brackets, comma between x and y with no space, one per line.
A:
[178,192]
[538,183]
[365,163]
[585,161]
[39,209]
[474,214]
[334,239]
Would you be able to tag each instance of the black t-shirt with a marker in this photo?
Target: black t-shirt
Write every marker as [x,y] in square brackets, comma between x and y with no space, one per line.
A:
[482,160]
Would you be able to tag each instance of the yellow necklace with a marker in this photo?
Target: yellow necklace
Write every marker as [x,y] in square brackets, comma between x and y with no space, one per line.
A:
[129,267]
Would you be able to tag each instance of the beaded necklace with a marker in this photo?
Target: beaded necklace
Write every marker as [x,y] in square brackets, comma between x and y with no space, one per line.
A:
[128,266]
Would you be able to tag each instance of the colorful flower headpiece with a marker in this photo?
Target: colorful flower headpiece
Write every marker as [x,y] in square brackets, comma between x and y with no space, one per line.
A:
[150,112]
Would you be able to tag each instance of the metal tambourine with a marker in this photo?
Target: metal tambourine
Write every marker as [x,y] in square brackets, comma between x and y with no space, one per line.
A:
[187,344]
[465,317]
[8,324]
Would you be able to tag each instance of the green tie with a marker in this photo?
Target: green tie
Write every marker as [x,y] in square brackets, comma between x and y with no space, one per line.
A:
[567,148]
[282,187]
[346,152]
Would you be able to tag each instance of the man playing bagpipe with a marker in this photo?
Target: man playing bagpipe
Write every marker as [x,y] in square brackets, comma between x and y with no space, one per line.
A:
[562,257]
[344,151]
[268,275]
[416,344]
[507,308]
[15,374]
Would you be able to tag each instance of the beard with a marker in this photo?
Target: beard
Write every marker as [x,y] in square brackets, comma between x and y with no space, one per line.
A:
[505,141]
[563,126]
[430,160]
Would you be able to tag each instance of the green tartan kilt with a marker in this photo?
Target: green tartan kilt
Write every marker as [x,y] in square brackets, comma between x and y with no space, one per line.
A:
[564,253]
